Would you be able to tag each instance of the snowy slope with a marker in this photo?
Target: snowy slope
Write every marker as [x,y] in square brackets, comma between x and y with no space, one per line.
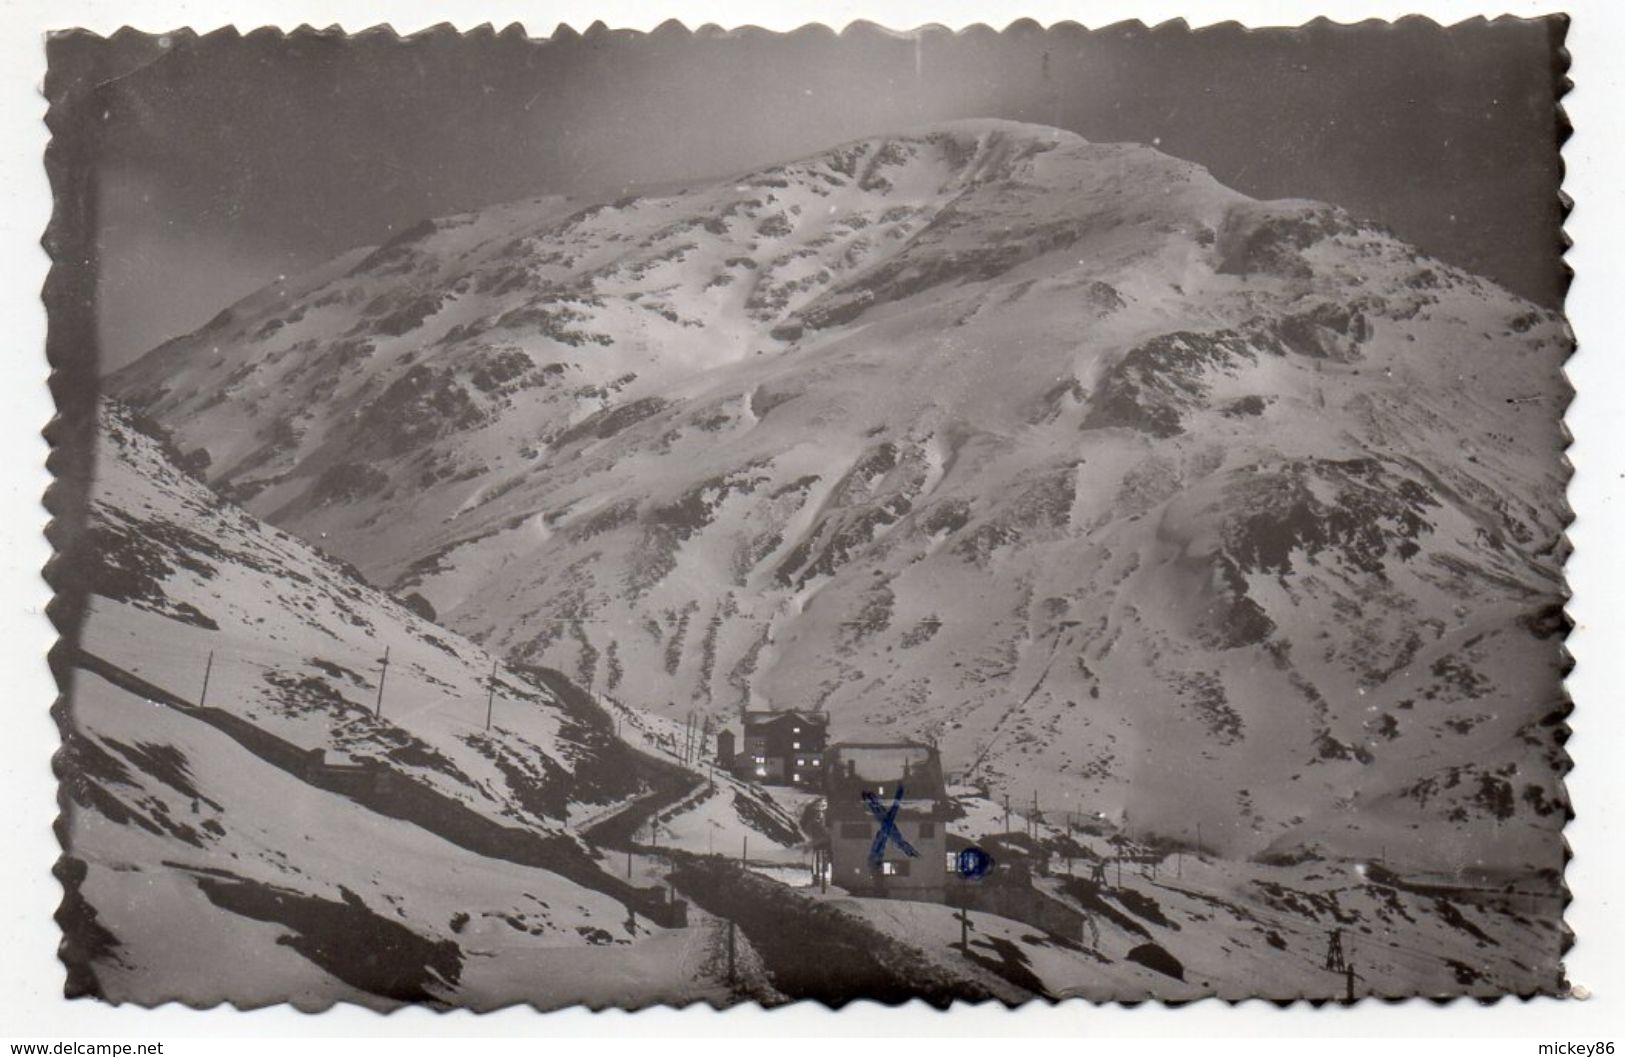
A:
[193,835]
[1124,488]
[297,643]
[196,848]
[1176,922]
[1239,931]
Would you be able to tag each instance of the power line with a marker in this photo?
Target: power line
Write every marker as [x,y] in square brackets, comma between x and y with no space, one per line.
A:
[491,698]
[383,672]
[208,667]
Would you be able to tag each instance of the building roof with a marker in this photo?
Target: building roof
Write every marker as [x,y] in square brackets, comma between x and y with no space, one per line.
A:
[854,768]
[764,718]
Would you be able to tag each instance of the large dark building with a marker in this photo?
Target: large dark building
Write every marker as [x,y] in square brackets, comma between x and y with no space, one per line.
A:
[906,775]
[784,748]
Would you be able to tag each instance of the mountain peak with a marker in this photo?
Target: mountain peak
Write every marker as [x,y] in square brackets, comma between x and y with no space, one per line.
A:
[980,432]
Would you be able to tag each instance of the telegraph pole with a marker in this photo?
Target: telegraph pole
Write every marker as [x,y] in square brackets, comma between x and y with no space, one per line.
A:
[383,672]
[491,698]
[208,667]
[1007,812]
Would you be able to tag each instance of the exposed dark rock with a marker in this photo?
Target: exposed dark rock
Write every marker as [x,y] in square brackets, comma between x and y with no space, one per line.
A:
[420,605]
[1154,957]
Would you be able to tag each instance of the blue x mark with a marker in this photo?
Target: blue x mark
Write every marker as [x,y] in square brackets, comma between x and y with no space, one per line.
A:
[888,826]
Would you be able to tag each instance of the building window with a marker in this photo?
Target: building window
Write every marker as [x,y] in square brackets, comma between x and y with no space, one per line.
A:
[856,829]
[795,730]
[894,868]
[801,763]
[952,865]
[761,772]
[795,744]
[796,777]
[928,829]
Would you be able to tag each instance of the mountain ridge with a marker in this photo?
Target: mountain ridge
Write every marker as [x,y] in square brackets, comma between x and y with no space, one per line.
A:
[1133,493]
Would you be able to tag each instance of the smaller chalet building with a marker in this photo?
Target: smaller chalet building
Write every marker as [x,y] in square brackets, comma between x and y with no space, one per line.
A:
[782,748]
[889,771]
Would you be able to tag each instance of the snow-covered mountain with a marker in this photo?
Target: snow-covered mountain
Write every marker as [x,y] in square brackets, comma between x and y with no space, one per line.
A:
[456,867]
[1131,492]
[330,853]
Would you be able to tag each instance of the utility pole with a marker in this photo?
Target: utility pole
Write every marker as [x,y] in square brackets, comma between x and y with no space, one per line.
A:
[744,850]
[1199,848]
[491,698]
[383,672]
[964,929]
[731,974]
[1348,977]
[208,667]
[1007,812]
